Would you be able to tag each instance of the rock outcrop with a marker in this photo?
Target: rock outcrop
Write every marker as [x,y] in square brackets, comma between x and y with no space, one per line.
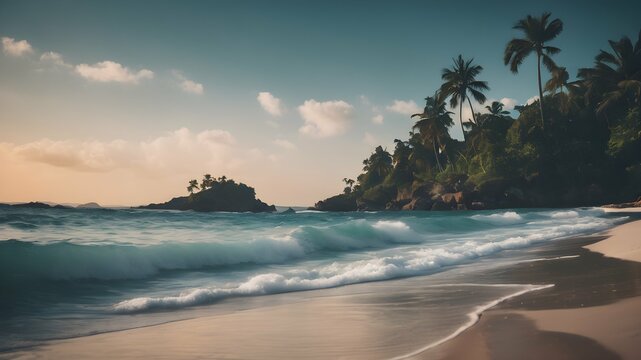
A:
[222,196]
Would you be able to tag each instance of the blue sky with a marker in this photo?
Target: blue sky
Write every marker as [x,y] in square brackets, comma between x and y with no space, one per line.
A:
[208,63]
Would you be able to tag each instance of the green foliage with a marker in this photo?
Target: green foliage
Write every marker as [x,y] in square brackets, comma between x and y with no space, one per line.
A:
[587,151]
[380,194]
[626,137]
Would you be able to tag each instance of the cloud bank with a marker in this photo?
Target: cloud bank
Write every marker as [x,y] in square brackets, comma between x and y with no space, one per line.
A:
[174,151]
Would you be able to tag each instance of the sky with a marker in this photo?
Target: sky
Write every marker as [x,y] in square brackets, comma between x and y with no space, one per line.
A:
[123,102]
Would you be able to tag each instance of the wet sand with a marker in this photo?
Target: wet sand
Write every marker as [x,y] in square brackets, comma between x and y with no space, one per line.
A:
[592,312]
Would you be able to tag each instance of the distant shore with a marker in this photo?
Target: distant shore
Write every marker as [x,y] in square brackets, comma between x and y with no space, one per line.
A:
[593,311]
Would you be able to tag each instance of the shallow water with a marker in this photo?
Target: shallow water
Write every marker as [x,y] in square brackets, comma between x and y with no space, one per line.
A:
[66,273]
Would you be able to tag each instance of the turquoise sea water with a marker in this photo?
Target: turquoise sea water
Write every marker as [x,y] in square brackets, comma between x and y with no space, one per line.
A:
[72,272]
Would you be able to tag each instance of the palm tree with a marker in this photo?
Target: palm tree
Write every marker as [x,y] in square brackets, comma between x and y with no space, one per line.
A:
[207,182]
[537,33]
[496,109]
[461,79]
[434,123]
[558,81]
[349,185]
[559,84]
[616,74]
[193,185]
[379,164]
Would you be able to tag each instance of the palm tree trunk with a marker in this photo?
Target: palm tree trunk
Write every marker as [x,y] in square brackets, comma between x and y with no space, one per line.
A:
[438,163]
[460,116]
[471,109]
[538,64]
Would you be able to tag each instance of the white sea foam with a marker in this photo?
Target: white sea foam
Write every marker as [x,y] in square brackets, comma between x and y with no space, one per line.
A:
[412,262]
[508,217]
[564,214]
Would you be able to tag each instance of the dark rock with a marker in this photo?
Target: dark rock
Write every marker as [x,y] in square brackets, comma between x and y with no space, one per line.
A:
[288,211]
[33,205]
[395,205]
[341,202]
[90,205]
[420,203]
[453,199]
[222,196]
[439,205]
[39,205]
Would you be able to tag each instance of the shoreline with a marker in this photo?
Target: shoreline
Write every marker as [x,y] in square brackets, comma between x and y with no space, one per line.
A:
[144,339]
[607,328]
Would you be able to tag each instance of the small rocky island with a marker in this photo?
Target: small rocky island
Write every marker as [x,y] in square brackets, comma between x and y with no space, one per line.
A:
[215,194]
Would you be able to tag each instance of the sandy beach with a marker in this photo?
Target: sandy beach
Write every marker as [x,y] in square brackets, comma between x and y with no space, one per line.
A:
[592,311]
[590,315]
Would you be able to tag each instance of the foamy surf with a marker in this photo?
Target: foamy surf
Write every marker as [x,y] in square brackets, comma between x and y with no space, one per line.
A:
[410,262]
[89,267]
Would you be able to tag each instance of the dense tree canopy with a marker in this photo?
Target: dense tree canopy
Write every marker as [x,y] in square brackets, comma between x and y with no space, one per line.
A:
[580,144]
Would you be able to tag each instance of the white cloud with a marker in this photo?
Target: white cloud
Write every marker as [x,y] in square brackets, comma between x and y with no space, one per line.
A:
[176,151]
[325,119]
[53,58]
[508,103]
[192,87]
[285,144]
[370,139]
[270,103]
[404,107]
[110,71]
[16,48]
[378,119]
[187,85]
[531,100]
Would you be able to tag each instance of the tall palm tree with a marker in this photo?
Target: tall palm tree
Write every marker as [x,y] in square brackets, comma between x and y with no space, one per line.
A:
[434,123]
[538,31]
[461,80]
[616,75]
[193,185]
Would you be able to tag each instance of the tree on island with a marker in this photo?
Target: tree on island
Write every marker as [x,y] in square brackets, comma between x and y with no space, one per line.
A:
[537,33]
[207,182]
[193,185]
[461,80]
[349,185]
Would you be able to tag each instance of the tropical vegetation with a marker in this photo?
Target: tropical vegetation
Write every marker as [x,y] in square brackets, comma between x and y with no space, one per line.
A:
[578,144]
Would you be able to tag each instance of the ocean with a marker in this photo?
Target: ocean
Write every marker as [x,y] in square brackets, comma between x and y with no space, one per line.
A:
[66,273]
